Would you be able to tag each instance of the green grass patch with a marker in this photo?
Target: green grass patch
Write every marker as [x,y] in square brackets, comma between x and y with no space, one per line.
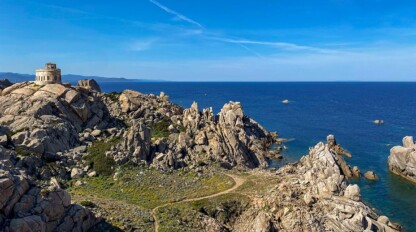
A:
[186,216]
[96,156]
[149,188]
[160,129]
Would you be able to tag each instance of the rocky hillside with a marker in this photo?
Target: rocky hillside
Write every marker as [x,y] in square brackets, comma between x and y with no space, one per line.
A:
[313,195]
[54,134]
[402,159]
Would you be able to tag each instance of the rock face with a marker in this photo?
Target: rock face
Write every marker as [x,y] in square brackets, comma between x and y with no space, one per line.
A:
[47,119]
[313,195]
[25,206]
[188,137]
[402,159]
[90,84]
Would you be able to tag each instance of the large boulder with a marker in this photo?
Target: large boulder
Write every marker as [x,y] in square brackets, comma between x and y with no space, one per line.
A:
[402,159]
[26,207]
[47,119]
[90,84]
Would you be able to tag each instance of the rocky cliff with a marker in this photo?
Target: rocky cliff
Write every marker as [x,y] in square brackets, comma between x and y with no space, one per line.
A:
[309,195]
[402,159]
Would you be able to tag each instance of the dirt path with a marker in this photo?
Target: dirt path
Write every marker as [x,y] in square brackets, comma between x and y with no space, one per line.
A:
[238,182]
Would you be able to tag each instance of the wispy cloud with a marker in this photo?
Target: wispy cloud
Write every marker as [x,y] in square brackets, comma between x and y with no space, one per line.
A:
[241,42]
[176,14]
[142,45]
[282,45]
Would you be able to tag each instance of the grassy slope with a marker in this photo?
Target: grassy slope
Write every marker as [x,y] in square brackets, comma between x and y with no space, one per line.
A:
[142,189]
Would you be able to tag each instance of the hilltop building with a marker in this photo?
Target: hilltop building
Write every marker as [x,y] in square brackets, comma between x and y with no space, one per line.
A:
[49,75]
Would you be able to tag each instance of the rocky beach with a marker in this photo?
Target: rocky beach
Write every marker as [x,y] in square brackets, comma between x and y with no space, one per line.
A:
[76,159]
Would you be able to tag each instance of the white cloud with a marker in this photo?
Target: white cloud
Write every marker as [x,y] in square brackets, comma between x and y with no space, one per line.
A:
[282,45]
[176,14]
[143,44]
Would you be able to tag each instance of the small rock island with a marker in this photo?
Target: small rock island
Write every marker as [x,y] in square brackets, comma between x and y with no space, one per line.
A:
[74,159]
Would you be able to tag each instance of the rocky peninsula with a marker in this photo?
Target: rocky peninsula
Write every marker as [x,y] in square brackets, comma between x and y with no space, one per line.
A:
[75,159]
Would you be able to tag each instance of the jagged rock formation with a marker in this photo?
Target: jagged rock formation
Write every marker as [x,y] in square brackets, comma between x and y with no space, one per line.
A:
[192,137]
[402,159]
[25,206]
[312,195]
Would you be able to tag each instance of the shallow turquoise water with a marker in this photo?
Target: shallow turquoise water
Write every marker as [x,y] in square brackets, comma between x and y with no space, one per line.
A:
[316,110]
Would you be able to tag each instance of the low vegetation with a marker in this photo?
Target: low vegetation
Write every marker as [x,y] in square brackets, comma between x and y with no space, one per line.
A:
[186,216]
[96,156]
[160,129]
[149,188]
[127,201]
[113,96]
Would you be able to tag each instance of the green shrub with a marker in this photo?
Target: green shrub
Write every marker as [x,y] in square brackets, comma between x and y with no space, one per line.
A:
[87,204]
[20,151]
[113,96]
[102,164]
[160,129]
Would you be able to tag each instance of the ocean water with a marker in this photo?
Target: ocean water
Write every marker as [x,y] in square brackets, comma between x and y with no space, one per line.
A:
[346,110]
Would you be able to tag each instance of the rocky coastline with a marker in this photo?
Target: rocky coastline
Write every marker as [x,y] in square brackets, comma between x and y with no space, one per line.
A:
[57,136]
[402,159]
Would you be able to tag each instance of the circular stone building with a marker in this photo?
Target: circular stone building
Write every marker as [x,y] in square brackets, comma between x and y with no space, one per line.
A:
[49,75]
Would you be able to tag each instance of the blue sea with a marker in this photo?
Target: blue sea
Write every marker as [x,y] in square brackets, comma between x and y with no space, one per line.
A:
[346,110]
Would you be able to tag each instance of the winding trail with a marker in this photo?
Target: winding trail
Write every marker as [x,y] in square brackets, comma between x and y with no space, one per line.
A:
[238,182]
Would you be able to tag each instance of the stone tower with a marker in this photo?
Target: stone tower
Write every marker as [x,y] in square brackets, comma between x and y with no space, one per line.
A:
[49,75]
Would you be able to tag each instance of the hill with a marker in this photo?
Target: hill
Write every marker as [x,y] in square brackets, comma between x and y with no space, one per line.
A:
[72,78]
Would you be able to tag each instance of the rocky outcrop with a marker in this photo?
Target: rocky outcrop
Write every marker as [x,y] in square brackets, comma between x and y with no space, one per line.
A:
[313,195]
[89,84]
[188,137]
[47,119]
[402,159]
[135,146]
[26,206]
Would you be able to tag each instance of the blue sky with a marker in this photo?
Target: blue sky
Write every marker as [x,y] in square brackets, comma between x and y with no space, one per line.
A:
[213,40]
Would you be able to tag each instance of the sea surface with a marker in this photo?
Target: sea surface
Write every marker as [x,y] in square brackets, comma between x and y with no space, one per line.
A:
[346,110]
